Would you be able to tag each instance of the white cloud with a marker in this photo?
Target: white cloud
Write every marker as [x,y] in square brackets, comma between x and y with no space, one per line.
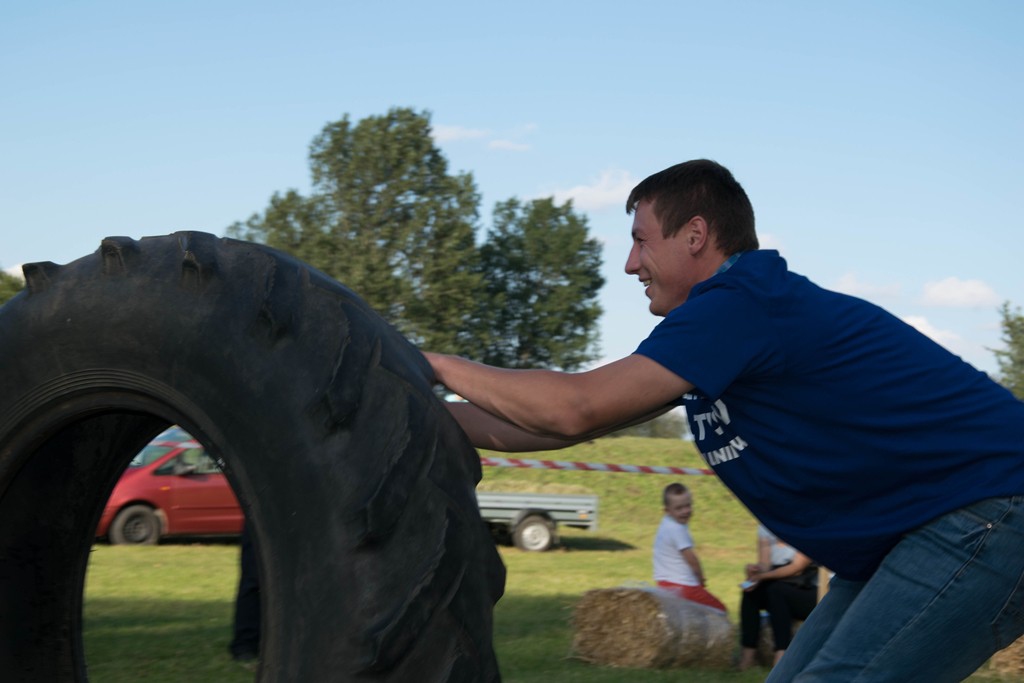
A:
[508,145]
[510,142]
[849,284]
[15,271]
[610,189]
[452,133]
[956,293]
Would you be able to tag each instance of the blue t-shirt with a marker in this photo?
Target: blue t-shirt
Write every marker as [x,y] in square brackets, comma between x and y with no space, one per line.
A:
[838,425]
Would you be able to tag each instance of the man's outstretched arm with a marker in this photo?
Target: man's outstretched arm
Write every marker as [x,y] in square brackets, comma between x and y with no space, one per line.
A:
[568,407]
[491,432]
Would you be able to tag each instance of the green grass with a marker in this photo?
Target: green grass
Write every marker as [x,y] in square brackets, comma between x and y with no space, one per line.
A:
[164,613]
[161,613]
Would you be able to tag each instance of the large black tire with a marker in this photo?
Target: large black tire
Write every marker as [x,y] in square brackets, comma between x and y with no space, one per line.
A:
[375,563]
[135,525]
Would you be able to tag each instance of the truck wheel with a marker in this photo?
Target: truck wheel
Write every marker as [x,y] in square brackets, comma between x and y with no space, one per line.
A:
[135,525]
[358,484]
[534,533]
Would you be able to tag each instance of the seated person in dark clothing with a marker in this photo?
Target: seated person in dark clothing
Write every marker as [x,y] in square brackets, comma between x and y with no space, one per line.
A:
[784,583]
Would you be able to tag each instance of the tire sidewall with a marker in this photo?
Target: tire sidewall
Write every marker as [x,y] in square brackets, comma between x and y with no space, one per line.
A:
[349,469]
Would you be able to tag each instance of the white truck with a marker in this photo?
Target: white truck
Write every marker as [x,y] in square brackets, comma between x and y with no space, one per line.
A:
[530,520]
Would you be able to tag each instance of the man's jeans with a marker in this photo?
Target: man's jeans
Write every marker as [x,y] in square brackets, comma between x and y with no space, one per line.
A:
[943,601]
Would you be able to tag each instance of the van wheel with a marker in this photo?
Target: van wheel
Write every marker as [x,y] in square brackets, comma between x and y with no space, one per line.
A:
[358,484]
[135,525]
[534,533]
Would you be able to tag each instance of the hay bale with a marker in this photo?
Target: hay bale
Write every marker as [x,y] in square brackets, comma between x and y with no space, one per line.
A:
[650,628]
[1009,662]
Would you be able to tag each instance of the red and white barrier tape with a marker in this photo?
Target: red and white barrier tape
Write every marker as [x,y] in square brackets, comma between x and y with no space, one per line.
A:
[589,466]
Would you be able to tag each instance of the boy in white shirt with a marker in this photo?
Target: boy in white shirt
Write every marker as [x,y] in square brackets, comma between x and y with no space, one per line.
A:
[676,565]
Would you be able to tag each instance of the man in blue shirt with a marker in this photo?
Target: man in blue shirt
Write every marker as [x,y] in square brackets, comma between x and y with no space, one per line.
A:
[850,435]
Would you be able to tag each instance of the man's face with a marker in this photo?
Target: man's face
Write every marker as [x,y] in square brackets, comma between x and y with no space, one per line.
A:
[680,507]
[660,263]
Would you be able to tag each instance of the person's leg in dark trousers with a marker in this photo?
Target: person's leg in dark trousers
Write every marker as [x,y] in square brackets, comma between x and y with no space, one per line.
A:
[751,604]
[786,603]
[245,642]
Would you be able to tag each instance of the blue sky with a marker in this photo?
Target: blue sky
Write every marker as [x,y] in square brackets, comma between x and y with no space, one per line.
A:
[882,143]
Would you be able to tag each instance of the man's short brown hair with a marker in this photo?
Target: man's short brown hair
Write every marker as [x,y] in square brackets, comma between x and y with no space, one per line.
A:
[700,188]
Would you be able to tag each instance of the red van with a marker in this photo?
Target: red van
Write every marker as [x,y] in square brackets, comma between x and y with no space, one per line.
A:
[173,487]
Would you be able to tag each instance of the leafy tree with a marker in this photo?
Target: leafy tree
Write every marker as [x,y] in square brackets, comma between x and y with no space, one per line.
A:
[1011,359]
[542,276]
[9,286]
[386,219]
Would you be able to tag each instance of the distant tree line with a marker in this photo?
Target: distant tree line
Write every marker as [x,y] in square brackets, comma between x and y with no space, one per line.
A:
[386,218]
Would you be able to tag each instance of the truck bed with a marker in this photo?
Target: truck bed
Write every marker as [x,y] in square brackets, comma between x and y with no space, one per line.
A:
[578,511]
